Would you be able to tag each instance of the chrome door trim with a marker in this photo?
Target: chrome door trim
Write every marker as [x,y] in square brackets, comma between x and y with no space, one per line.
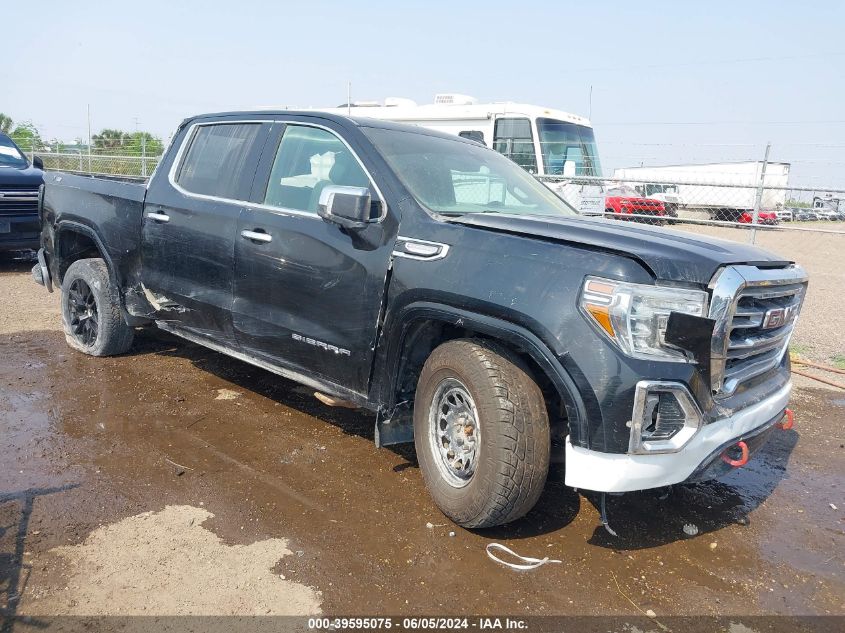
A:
[255,235]
[158,217]
[426,251]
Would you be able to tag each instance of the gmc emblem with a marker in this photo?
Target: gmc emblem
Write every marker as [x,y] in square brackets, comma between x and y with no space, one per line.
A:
[778,317]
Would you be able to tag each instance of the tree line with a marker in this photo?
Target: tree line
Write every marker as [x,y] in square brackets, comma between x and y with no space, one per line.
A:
[108,142]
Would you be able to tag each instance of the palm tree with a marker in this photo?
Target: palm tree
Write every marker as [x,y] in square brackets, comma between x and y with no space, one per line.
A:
[5,123]
[111,140]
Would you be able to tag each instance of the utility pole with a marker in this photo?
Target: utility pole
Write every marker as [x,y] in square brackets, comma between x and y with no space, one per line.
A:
[349,98]
[89,138]
[143,138]
[759,199]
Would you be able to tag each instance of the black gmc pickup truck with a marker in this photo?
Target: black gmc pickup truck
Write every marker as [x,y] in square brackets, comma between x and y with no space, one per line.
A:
[431,281]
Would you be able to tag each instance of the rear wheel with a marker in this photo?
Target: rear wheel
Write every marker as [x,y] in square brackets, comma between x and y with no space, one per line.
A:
[91,314]
[481,432]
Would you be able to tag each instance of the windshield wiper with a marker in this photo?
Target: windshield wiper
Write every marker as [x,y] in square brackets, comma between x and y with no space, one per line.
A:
[470,212]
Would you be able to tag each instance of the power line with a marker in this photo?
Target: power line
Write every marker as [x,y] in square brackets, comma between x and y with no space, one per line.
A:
[703,62]
[737,122]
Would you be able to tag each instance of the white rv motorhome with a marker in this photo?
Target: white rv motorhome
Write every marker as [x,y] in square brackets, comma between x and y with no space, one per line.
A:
[831,205]
[543,141]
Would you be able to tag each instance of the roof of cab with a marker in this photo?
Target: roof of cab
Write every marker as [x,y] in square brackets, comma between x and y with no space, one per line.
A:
[342,120]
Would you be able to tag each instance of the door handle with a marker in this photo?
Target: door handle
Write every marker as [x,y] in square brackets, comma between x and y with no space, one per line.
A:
[257,236]
[158,217]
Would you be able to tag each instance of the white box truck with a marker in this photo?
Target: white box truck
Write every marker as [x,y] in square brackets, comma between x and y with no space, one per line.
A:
[724,191]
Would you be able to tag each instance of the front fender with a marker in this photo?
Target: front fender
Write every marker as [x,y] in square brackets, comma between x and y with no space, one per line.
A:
[397,326]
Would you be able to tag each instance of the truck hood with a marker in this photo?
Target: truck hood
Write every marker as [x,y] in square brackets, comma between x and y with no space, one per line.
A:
[16,177]
[670,255]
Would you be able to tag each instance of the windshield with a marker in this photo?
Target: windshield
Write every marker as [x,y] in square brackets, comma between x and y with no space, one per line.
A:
[561,141]
[623,191]
[651,189]
[455,177]
[10,156]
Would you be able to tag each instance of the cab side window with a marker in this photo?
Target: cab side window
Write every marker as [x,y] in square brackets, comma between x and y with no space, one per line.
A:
[513,138]
[308,160]
[473,135]
[216,163]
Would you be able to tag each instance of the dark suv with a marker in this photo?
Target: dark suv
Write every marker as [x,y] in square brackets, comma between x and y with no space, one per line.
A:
[19,185]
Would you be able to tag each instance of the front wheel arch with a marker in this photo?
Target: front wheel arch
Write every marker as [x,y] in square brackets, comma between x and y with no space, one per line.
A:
[425,325]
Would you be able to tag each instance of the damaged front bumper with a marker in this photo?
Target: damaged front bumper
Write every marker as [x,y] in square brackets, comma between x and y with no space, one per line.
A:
[626,472]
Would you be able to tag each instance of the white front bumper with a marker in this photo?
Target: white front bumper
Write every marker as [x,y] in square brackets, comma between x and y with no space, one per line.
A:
[620,472]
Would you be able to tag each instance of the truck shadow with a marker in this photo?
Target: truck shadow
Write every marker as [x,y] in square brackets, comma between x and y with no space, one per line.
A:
[652,518]
[558,506]
[266,384]
[641,519]
[16,262]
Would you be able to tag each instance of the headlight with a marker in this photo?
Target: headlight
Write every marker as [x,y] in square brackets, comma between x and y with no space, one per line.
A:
[634,316]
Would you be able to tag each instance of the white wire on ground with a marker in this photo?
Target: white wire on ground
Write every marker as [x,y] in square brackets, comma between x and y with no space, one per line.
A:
[528,562]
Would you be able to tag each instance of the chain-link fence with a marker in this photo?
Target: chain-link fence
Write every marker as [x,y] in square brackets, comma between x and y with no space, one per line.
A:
[99,164]
[745,194]
[754,200]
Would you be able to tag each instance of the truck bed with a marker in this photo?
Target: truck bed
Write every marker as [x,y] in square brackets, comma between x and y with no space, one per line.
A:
[111,208]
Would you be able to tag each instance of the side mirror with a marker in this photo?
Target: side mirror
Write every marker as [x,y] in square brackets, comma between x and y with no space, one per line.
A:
[37,162]
[348,207]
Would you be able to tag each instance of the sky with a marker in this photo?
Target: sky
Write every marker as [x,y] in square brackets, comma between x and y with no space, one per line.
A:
[662,82]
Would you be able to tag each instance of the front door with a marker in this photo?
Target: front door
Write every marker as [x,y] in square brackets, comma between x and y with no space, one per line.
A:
[190,222]
[308,293]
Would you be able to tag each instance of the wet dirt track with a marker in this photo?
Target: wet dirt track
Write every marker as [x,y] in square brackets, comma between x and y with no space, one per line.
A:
[88,444]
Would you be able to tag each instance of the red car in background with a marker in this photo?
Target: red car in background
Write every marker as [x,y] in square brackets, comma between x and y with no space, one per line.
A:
[763,217]
[627,201]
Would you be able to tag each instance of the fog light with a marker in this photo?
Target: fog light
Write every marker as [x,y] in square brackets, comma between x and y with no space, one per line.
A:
[664,419]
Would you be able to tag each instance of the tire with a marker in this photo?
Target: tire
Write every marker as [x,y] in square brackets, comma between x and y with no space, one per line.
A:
[91,314]
[503,474]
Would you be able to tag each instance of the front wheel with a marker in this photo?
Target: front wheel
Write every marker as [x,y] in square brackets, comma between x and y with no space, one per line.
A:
[481,432]
[91,314]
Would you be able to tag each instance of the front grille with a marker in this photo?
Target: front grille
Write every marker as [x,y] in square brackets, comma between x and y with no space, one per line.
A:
[754,347]
[18,200]
[755,311]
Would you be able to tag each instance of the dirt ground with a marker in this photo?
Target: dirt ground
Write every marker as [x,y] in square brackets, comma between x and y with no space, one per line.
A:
[175,480]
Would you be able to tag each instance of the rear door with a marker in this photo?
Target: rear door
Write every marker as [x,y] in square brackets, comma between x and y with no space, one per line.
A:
[308,293]
[190,222]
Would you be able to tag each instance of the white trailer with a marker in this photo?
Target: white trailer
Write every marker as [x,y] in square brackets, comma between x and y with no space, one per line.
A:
[724,190]
[543,141]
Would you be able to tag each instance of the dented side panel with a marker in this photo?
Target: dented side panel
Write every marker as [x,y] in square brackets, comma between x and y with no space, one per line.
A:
[187,259]
[81,210]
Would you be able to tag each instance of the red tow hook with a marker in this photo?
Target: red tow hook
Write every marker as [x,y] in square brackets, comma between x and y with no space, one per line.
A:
[736,463]
[790,421]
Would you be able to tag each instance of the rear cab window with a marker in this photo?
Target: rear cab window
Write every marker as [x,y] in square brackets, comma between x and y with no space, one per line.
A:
[220,160]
